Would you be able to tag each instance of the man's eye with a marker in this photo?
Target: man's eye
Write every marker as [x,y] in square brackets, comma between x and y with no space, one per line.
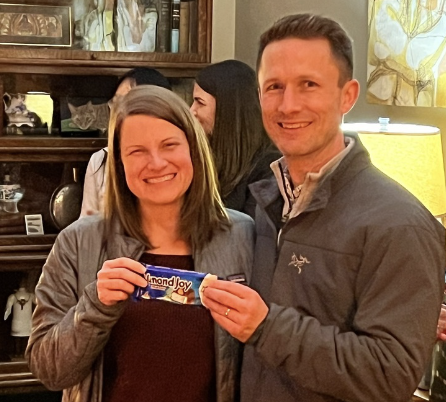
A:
[310,84]
[273,87]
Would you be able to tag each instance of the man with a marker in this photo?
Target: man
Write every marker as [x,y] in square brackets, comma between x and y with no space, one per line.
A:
[347,280]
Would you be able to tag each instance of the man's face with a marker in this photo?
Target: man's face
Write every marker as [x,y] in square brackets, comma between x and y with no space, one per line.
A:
[302,104]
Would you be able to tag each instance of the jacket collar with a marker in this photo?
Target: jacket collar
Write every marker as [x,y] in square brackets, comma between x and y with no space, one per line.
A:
[268,196]
[120,245]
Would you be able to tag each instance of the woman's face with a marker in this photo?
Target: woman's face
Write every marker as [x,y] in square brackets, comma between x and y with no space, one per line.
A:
[203,109]
[122,90]
[156,159]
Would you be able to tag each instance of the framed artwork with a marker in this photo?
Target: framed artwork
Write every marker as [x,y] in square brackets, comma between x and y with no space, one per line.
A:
[35,25]
[407,53]
[84,117]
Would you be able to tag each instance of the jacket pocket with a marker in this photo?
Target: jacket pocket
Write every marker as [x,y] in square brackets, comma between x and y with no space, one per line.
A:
[316,282]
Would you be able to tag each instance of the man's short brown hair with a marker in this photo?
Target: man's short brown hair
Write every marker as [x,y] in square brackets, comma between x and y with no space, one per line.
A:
[310,26]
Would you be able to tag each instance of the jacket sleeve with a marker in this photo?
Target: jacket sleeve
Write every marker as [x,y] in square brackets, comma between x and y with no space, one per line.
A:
[398,293]
[93,183]
[69,328]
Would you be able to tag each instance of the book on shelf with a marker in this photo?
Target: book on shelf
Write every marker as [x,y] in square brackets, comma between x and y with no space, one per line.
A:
[164,23]
[175,26]
[193,26]
[184,26]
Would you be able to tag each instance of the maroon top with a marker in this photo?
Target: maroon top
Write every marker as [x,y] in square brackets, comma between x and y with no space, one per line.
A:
[161,351]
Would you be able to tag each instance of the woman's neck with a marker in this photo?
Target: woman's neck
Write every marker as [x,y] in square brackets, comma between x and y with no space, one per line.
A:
[161,225]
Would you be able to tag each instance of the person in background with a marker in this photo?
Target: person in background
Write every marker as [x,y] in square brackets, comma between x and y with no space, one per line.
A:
[94,184]
[344,255]
[226,103]
[437,375]
[87,337]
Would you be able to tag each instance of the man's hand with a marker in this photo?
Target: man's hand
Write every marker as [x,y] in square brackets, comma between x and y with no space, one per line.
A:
[441,328]
[236,308]
[117,280]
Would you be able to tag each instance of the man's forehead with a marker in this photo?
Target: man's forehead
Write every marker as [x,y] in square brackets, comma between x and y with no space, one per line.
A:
[278,54]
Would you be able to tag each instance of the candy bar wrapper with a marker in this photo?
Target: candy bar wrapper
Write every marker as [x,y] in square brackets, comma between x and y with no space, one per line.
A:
[173,285]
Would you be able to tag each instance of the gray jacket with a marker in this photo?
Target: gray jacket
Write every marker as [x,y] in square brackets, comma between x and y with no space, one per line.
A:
[71,326]
[354,289]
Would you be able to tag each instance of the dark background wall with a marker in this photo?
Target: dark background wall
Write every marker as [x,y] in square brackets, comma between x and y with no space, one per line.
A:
[255,16]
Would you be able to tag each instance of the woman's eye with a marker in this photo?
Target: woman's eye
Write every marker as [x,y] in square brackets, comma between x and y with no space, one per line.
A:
[199,102]
[170,144]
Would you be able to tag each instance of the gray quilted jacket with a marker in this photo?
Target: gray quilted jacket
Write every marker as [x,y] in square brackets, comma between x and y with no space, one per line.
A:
[71,326]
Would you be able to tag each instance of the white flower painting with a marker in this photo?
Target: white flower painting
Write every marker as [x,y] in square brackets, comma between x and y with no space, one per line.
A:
[407,53]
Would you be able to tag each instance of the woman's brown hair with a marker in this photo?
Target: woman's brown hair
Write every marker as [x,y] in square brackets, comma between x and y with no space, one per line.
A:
[202,212]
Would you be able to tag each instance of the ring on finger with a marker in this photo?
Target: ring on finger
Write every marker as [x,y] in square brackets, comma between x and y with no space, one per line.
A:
[227,312]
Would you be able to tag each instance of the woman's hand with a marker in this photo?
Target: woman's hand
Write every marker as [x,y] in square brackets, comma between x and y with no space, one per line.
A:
[441,327]
[117,280]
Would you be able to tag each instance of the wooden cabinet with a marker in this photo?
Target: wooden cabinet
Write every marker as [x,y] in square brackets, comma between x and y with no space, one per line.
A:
[42,162]
[72,60]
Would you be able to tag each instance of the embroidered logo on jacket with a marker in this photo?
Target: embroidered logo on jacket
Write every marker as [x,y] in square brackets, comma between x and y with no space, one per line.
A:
[299,262]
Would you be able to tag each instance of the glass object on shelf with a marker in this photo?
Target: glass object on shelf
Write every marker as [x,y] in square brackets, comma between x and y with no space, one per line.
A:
[10,195]
[66,202]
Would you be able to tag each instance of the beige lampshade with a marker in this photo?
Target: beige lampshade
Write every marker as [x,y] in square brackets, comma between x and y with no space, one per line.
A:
[410,154]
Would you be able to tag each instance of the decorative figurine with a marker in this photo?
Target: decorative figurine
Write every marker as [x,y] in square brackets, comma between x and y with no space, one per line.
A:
[20,304]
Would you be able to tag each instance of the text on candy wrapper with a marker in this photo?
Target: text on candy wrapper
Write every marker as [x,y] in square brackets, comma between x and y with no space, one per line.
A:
[174,282]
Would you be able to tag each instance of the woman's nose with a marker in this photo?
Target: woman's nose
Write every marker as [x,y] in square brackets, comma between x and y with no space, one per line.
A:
[193,109]
[156,161]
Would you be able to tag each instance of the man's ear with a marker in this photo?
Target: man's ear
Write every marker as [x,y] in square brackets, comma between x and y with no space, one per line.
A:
[350,93]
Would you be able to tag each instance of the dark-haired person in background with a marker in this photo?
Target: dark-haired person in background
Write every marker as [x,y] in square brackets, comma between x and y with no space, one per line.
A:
[226,103]
[94,189]
[349,267]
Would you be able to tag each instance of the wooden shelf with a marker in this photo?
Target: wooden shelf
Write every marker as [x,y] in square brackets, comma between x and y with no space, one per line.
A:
[51,60]
[48,149]
[24,252]
[77,67]
[17,375]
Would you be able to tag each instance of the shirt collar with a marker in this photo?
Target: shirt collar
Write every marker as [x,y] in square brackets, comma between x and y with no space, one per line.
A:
[297,198]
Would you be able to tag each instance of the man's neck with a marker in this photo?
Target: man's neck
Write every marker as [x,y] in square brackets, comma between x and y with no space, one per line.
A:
[300,166]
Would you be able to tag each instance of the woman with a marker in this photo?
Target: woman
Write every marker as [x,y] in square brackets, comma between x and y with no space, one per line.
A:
[87,338]
[226,102]
[94,185]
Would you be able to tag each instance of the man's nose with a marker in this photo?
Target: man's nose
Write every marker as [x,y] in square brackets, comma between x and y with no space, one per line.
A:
[291,101]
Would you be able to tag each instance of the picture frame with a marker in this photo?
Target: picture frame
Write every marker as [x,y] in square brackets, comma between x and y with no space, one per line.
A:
[35,25]
[84,117]
[34,224]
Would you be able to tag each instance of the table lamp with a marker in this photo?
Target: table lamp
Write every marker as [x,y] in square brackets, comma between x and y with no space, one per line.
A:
[410,154]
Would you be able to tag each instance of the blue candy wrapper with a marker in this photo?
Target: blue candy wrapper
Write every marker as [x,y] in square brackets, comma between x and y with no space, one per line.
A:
[173,285]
